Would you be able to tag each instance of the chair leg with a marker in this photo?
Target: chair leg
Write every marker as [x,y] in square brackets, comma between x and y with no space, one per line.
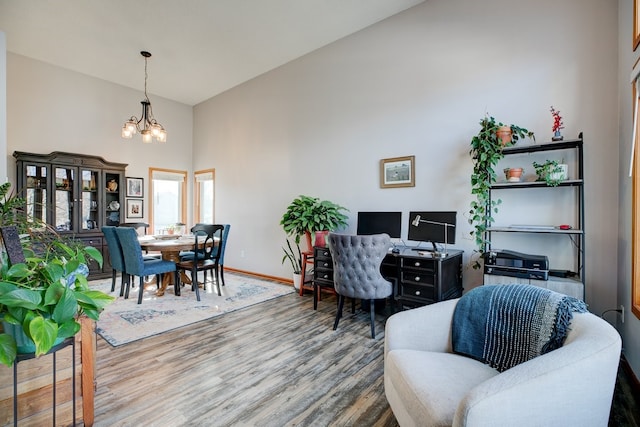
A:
[222,274]
[141,290]
[128,285]
[339,313]
[353,306]
[123,281]
[372,308]
[194,281]
[113,279]
[217,281]
[176,284]
[315,295]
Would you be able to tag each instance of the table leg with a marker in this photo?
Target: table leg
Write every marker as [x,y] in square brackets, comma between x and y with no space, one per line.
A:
[167,278]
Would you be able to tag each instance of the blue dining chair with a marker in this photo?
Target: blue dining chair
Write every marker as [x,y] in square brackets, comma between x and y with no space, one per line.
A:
[136,265]
[115,257]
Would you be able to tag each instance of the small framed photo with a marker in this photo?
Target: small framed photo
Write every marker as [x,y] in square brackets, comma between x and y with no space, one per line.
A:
[397,172]
[134,208]
[134,187]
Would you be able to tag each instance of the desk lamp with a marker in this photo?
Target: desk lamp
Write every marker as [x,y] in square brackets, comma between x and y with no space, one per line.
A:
[416,223]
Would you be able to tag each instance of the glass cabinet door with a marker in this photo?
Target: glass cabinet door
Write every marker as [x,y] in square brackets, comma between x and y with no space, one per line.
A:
[112,198]
[89,200]
[63,210]
[36,193]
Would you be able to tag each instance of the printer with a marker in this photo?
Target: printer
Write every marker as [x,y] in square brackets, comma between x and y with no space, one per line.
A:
[516,264]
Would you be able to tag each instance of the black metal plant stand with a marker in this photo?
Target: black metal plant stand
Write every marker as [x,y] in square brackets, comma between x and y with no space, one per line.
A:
[20,357]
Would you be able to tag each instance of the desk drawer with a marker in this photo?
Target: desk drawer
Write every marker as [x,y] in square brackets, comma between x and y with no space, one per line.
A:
[322,253]
[419,292]
[323,274]
[418,277]
[424,265]
[322,263]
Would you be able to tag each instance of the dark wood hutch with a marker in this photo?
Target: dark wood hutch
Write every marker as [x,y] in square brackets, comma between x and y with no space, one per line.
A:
[76,194]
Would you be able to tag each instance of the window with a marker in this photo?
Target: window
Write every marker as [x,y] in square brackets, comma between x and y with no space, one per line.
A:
[204,196]
[169,195]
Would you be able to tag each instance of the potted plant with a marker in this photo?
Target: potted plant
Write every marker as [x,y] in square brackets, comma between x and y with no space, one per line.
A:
[486,152]
[306,215]
[295,258]
[552,172]
[513,174]
[42,298]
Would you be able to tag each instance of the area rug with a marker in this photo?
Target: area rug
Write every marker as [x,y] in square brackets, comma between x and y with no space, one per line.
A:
[124,321]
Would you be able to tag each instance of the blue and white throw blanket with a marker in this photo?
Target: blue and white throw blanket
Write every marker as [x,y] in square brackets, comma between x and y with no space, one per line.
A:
[504,325]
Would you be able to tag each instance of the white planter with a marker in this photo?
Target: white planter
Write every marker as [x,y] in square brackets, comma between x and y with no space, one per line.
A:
[297,278]
[562,175]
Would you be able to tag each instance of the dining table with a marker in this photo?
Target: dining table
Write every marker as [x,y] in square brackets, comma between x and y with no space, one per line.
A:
[170,246]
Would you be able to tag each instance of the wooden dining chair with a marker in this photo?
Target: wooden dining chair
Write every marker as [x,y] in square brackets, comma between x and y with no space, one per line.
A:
[206,256]
[136,265]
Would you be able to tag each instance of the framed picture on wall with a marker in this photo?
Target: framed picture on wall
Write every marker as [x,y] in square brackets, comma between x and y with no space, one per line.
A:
[397,172]
[134,187]
[134,208]
[636,24]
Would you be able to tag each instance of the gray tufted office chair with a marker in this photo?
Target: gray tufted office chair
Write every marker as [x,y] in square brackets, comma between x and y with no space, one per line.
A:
[356,269]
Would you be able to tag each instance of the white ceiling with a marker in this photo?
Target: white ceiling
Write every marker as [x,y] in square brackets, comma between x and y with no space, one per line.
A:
[200,48]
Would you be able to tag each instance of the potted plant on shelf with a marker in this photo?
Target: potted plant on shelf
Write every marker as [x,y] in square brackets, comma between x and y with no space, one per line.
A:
[295,258]
[42,299]
[552,172]
[306,215]
[486,152]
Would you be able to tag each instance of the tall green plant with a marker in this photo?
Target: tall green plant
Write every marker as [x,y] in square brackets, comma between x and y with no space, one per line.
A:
[486,152]
[309,214]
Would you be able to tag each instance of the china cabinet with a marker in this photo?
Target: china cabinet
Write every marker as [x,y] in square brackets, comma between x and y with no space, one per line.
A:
[74,194]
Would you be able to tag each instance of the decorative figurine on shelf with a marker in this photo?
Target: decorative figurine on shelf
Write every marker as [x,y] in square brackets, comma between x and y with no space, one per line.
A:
[557,125]
[112,185]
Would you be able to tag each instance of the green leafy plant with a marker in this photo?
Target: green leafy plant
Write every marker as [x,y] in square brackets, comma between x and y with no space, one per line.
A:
[294,257]
[310,214]
[486,152]
[546,172]
[46,295]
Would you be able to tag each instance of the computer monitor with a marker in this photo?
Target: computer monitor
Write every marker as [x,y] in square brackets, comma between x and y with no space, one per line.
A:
[424,229]
[380,222]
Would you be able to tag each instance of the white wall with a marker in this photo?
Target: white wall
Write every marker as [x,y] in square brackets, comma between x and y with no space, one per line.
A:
[416,84]
[53,109]
[630,329]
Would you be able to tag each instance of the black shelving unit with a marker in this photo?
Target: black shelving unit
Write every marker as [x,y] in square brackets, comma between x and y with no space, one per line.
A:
[576,233]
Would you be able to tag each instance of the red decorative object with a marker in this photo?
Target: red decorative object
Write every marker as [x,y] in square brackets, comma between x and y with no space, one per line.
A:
[557,124]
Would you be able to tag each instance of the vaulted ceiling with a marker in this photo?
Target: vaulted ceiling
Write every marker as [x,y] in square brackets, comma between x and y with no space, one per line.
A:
[200,48]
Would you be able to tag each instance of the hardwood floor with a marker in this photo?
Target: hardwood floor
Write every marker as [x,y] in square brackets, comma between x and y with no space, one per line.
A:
[278,363]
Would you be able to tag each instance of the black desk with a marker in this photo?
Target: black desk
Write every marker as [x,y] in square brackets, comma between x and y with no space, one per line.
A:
[420,279]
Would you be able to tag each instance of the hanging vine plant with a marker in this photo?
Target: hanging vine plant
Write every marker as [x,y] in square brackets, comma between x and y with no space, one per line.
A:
[486,152]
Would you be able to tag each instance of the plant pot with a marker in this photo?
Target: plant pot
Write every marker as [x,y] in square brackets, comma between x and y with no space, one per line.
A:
[24,344]
[297,278]
[321,239]
[513,174]
[504,134]
[561,175]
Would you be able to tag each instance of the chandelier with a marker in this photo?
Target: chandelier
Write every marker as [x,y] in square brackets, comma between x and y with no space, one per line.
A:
[147,125]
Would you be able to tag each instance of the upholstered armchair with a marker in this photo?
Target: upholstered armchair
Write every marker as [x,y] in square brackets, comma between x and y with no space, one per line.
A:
[356,270]
[427,385]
